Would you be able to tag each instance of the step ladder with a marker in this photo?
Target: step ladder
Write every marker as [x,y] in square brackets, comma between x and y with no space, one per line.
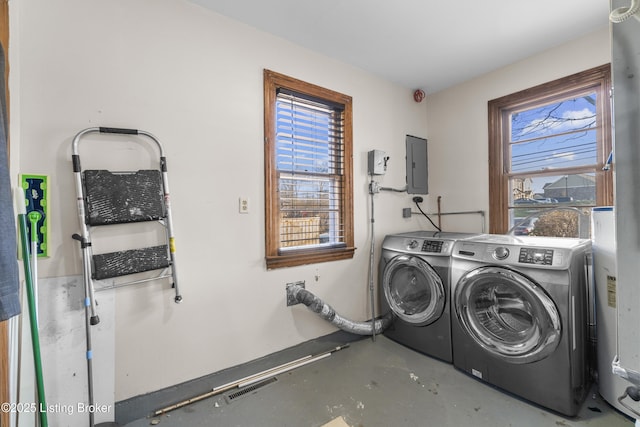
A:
[106,198]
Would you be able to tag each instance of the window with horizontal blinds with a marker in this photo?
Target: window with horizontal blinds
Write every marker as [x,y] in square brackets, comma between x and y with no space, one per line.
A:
[548,147]
[308,168]
[310,162]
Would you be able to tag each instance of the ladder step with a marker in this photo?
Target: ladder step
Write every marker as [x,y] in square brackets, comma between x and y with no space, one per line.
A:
[123,197]
[131,261]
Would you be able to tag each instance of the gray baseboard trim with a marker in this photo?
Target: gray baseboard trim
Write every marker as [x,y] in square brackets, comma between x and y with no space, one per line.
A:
[145,405]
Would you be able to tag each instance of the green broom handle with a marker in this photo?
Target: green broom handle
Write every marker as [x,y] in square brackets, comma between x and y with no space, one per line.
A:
[42,409]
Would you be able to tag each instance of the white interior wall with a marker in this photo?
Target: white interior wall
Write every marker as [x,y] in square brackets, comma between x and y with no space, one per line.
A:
[458,121]
[194,79]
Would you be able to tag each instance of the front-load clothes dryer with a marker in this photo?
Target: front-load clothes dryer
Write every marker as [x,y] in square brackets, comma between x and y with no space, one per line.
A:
[415,286]
[520,316]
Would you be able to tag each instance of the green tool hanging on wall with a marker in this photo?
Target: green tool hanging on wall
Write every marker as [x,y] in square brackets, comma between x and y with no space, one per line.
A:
[36,196]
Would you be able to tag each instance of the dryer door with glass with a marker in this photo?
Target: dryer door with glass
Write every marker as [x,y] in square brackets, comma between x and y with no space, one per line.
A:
[507,314]
[413,290]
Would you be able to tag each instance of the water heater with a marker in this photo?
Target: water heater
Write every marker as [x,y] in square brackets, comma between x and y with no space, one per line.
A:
[603,232]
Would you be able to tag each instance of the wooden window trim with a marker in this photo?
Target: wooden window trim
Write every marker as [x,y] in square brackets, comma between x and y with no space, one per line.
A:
[498,179]
[273,81]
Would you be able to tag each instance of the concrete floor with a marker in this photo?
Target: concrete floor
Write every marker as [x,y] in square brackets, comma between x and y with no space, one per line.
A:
[381,383]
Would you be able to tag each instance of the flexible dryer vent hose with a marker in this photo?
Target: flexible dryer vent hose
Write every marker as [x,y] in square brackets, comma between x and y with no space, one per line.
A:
[324,310]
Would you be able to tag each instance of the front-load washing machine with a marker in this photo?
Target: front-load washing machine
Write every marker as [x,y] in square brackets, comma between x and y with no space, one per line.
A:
[520,317]
[415,286]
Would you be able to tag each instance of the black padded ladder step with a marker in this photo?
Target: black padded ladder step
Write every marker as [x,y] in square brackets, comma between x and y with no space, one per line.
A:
[123,197]
[131,261]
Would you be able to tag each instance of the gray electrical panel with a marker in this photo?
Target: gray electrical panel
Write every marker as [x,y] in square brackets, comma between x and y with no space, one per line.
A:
[417,169]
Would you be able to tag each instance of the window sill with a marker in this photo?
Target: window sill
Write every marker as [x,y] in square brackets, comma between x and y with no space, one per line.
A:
[294,259]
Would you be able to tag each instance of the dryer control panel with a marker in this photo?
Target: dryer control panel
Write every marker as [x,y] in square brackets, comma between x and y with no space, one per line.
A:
[432,246]
[427,246]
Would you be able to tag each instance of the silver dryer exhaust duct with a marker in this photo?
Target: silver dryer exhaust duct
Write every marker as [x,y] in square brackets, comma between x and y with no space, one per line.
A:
[297,294]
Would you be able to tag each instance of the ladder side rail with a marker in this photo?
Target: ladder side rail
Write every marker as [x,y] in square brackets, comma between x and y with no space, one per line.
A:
[169,228]
[168,215]
[84,238]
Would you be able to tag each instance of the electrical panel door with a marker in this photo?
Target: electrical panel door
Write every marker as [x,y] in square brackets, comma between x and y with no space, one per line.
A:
[417,165]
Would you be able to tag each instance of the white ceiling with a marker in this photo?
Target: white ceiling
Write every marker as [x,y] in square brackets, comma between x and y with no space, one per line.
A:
[427,44]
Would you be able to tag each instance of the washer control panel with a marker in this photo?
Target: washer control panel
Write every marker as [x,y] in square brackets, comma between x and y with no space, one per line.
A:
[538,256]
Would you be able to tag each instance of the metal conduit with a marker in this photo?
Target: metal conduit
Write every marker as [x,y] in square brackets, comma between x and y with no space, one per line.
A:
[439,214]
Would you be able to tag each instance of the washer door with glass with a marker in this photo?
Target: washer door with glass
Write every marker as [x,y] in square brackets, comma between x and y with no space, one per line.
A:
[507,314]
[413,290]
